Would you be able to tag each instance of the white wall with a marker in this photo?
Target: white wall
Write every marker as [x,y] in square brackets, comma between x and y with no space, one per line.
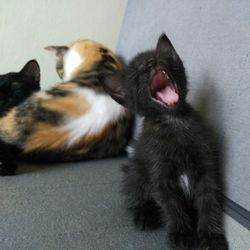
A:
[29,25]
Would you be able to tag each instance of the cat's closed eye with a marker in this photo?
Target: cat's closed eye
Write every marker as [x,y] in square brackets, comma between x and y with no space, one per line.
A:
[142,68]
[147,65]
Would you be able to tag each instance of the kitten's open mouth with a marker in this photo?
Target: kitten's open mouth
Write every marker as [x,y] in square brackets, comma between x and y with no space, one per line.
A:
[163,88]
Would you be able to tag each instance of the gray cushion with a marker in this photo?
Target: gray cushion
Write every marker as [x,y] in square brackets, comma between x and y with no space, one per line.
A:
[69,206]
[77,206]
[213,38]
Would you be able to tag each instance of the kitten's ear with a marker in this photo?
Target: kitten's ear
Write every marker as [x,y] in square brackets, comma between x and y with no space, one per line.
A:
[57,50]
[31,70]
[165,46]
[112,84]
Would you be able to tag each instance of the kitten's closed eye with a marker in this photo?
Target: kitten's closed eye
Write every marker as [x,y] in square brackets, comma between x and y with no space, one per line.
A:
[142,67]
[149,64]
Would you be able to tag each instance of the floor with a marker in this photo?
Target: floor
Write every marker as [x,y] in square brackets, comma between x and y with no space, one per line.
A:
[78,206]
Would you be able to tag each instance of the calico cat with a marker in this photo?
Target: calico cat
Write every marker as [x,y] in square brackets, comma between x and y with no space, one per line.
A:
[174,173]
[74,120]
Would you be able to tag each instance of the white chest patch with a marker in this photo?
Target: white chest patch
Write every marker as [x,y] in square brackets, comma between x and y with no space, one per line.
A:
[184,183]
[130,151]
[103,110]
[138,127]
[71,61]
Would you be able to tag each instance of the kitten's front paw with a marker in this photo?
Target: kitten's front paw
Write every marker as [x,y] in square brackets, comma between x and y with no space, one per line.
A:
[148,216]
[181,240]
[8,168]
[213,242]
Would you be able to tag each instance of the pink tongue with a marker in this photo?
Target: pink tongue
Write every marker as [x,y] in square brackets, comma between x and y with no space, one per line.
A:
[167,95]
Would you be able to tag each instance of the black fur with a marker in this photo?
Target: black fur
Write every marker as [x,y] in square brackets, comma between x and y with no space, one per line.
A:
[174,141]
[8,160]
[55,92]
[14,89]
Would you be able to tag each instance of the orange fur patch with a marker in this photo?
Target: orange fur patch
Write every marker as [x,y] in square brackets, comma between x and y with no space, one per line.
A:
[46,136]
[8,124]
[89,51]
[90,54]
[66,86]
[41,95]
[73,105]
[53,138]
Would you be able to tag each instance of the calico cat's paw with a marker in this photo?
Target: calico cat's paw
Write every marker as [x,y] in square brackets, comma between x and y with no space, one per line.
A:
[7,168]
[181,240]
[213,242]
[148,216]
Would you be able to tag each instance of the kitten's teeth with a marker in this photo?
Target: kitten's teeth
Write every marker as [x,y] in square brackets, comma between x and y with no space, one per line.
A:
[165,74]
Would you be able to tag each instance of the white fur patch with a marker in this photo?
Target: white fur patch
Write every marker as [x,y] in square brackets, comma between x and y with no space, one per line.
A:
[130,151]
[103,110]
[139,123]
[71,61]
[138,127]
[184,182]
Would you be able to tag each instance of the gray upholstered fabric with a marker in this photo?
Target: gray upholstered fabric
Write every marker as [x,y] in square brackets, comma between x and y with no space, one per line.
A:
[213,38]
[77,206]
[69,206]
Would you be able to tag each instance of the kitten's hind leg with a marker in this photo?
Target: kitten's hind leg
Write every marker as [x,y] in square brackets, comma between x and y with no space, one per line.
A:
[181,234]
[147,214]
[209,204]
[8,163]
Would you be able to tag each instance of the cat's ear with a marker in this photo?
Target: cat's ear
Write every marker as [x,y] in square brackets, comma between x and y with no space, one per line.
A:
[57,50]
[31,71]
[112,84]
[164,46]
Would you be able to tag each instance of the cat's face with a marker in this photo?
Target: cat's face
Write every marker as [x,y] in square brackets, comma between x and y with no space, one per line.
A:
[16,86]
[153,83]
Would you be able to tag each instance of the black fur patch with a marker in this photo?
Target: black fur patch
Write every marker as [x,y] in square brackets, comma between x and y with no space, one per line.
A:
[55,92]
[8,160]
[48,116]
[103,51]
[14,89]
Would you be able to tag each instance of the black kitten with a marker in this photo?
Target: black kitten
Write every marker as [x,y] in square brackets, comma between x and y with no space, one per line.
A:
[15,88]
[174,174]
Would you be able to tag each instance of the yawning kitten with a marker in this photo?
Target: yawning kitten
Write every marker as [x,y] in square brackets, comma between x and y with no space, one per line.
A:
[174,174]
